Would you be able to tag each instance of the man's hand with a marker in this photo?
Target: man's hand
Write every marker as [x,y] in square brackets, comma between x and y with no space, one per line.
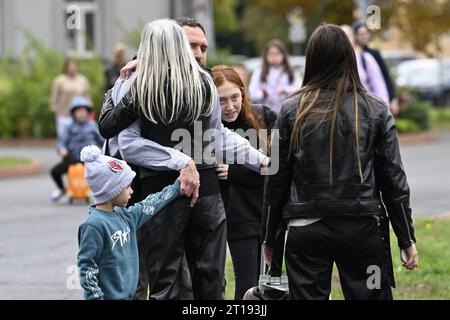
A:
[222,171]
[190,182]
[126,71]
[411,257]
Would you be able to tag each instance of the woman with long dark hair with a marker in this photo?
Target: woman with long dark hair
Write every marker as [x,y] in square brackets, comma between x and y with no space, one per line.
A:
[340,173]
[241,188]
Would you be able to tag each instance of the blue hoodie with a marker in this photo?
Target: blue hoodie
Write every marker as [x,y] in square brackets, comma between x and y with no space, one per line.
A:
[108,258]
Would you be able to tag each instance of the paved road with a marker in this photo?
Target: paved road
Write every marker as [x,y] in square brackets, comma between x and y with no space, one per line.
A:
[428,170]
[39,237]
[39,240]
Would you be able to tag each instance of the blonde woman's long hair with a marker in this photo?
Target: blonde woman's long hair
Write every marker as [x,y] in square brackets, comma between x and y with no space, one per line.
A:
[330,64]
[169,82]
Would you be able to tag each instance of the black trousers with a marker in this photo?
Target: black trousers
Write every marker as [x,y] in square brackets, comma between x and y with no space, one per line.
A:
[182,250]
[246,256]
[59,170]
[354,244]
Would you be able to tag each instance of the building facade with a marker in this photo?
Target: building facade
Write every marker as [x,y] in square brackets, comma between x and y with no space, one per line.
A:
[86,27]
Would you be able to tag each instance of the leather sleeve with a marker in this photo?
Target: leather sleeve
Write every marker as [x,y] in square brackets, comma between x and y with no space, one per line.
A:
[114,119]
[276,190]
[391,179]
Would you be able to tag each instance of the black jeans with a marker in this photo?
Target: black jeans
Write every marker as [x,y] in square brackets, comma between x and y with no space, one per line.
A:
[246,256]
[354,244]
[182,250]
[59,170]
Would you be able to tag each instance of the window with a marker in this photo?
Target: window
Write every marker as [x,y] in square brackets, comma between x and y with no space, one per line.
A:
[81,27]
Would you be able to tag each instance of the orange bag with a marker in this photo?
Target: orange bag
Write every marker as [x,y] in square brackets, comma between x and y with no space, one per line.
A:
[78,188]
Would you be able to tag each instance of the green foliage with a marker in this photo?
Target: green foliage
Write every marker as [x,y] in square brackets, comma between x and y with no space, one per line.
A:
[93,69]
[221,56]
[417,112]
[12,162]
[131,37]
[440,119]
[406,126]
[261,25]
[434,23]
[25,87]
[225,19]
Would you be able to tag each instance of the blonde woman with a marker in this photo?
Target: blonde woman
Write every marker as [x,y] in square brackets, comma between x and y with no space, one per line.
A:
[171,91]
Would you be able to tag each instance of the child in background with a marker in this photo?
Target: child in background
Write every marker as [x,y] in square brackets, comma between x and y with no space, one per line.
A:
[271,84]
[108,253]
[80,133]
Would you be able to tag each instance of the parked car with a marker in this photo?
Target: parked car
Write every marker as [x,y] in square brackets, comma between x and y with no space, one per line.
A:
[427,79]
[394,57]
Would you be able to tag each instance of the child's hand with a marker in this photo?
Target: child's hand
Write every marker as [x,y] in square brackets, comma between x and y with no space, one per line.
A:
[64,152]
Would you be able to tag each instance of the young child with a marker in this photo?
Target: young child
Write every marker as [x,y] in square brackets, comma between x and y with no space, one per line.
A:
[80,133]
[108,253]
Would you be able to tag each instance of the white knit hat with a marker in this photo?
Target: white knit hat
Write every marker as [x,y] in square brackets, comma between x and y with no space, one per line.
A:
[107,177]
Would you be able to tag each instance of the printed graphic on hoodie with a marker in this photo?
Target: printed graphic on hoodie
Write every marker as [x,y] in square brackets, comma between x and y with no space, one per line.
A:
[120,235]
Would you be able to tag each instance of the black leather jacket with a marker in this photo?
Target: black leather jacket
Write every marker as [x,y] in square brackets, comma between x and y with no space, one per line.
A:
[302,186]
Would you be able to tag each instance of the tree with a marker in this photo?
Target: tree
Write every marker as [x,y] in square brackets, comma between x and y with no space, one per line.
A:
[422,23]
[225,18]
[266,19]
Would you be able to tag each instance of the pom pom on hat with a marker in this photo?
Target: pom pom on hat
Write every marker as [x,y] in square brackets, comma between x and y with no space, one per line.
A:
[107,177]
[90,153]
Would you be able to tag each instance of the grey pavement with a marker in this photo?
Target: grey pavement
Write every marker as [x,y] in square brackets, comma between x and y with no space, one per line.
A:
[428,170]
[39,246]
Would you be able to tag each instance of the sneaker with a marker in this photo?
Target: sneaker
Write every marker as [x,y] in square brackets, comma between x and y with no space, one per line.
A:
[57,195]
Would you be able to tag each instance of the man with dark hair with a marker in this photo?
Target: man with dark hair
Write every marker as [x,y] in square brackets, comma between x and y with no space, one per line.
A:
[162,269]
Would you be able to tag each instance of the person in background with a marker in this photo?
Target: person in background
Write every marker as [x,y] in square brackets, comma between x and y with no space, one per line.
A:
[363,38]
[80,133]
[368,69]
[272,83]
[65,87]
[119,61]
[242,188]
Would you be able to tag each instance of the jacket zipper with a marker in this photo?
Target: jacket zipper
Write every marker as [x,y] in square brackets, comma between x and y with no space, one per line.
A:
[406,222]
[267,220]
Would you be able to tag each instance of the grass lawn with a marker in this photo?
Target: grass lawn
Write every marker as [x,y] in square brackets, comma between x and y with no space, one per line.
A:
[12,162]
[440,119]
[430,281]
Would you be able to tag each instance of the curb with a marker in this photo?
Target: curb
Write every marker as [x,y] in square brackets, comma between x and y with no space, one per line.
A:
[444,216]
[32,169]
[416,138]
[27,142]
